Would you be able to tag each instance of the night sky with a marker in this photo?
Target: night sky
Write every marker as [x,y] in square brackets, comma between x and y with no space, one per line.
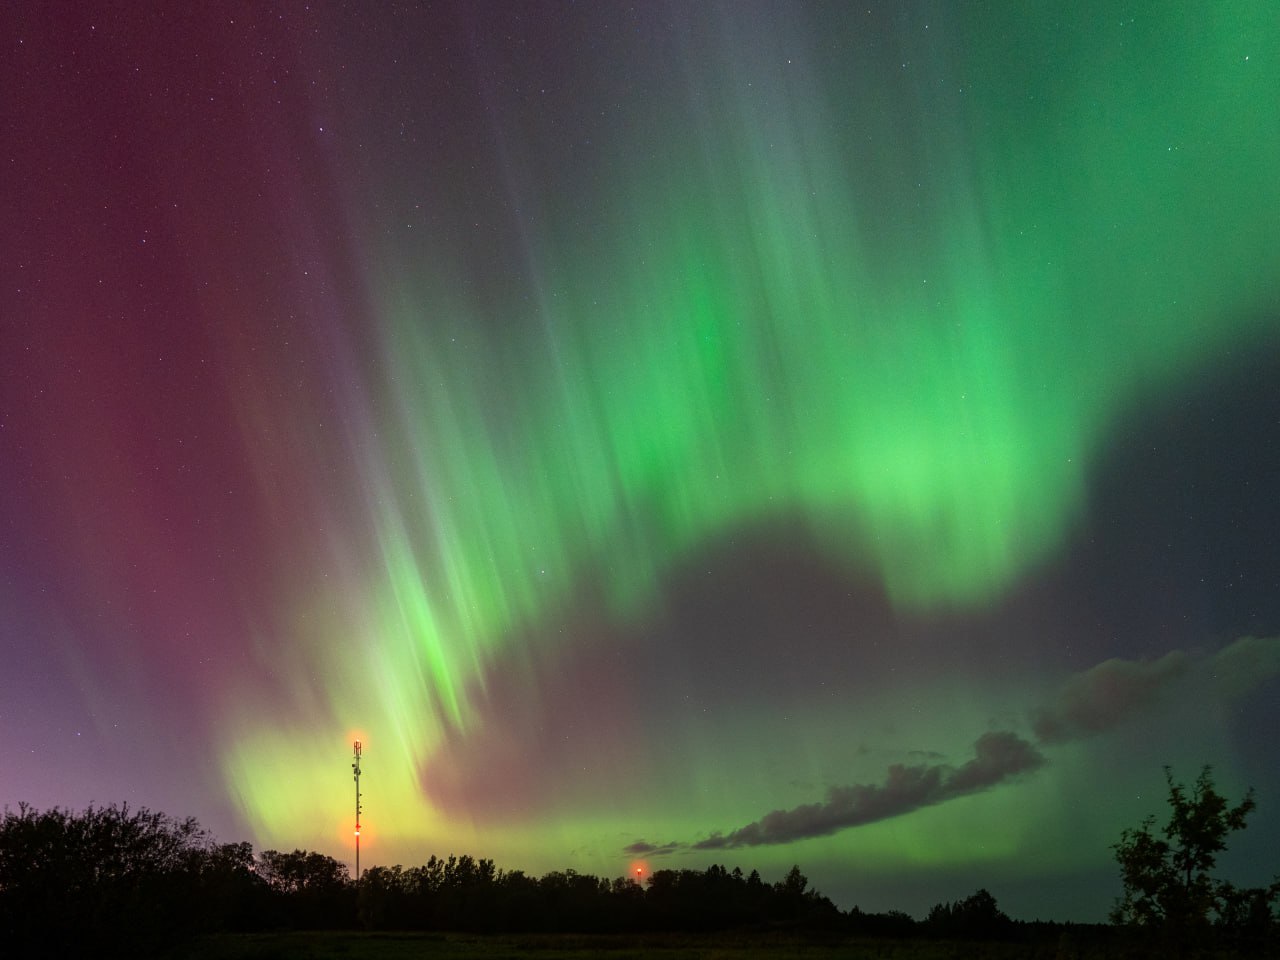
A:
[665,433]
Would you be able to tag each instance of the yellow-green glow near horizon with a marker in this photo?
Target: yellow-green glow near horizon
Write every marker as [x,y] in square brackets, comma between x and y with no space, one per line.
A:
[904,312]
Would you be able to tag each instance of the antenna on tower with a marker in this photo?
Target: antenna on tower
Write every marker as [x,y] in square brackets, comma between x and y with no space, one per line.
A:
[356,768]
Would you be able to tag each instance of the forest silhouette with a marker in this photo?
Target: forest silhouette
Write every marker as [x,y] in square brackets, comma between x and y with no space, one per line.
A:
[117,879]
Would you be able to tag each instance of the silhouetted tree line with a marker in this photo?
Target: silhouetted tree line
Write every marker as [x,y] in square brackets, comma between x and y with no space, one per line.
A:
[117,878]
[461,893]
[974,918]
[124,880]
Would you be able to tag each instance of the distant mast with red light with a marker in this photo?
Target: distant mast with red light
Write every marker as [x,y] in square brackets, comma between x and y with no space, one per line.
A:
[356,768]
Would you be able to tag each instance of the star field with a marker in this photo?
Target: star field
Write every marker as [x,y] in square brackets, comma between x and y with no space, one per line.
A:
[767,433]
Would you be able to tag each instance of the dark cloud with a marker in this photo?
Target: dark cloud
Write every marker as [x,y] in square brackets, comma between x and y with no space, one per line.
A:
[997,757]
[1105,696]
[643,849]
[926,755]
[1087,704]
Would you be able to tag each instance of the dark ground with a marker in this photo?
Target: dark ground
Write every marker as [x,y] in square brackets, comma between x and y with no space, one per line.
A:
[439,946]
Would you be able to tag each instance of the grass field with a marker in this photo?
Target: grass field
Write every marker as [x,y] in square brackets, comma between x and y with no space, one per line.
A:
[438,946]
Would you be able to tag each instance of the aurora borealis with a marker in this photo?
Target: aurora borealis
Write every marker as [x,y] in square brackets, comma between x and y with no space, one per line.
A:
[779,433]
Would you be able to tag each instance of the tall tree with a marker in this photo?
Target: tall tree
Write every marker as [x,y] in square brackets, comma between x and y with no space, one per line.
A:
[1168,875]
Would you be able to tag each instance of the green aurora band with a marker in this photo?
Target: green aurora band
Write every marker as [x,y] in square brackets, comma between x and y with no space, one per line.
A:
[908,325]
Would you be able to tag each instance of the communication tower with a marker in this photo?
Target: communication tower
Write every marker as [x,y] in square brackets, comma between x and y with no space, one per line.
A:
[356,769]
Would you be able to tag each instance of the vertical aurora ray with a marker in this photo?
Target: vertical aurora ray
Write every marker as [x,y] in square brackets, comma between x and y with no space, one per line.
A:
[902,307]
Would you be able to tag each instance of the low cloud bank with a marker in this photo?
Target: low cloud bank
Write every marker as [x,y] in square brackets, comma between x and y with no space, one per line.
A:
[642,849]
[1087,704]
[1115,691]
[997,757]
[1104,696]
